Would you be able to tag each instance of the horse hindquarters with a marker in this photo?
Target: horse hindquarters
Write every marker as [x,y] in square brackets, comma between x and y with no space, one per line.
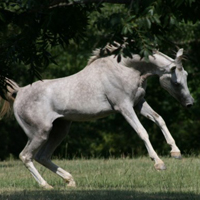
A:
[43,138]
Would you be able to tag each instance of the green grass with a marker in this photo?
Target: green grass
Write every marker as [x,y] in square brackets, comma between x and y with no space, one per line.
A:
[110,179]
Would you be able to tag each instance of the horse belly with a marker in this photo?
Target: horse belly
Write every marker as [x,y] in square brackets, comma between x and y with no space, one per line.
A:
[87,111]
[76,115]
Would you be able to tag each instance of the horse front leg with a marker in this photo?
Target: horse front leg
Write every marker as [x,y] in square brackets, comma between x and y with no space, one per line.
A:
[127,111]
[149,113]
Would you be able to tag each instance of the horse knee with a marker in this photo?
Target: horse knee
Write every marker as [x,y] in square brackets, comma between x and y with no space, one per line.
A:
[25,158]
[22,157]
[159,120]
[143,135]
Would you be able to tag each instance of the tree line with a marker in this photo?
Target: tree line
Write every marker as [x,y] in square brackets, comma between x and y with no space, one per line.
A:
[56,38]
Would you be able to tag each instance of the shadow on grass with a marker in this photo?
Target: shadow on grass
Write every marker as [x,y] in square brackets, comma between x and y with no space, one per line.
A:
[7,165]
[95,195]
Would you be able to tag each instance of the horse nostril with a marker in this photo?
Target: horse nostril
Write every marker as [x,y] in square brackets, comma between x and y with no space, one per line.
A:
[189,105]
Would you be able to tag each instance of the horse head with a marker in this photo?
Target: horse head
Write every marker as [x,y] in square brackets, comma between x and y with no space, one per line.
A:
[174,80]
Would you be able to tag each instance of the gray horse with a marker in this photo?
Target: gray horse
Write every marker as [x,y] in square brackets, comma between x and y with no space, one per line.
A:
[46,108]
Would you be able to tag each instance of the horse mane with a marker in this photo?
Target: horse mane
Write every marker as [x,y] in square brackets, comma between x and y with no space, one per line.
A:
[109,49]
[95,56]
[163,55]
[103,52]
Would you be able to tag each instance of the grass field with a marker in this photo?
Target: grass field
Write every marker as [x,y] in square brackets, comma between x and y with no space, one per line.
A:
[119,179]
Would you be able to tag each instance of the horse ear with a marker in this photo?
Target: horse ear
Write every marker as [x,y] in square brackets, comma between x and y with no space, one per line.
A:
[179,54]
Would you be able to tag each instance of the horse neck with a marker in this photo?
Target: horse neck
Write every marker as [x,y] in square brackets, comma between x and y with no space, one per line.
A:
[158,65]
[142,67]
[161,62]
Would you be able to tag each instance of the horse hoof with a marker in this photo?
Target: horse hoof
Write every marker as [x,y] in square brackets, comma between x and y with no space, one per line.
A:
[47,187]
[71,184]
[160,166]
[176,155]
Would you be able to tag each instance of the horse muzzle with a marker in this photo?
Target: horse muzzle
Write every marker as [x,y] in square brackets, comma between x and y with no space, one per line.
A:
[189,103]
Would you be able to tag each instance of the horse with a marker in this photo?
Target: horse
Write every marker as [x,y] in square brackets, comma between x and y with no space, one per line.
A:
[45,109]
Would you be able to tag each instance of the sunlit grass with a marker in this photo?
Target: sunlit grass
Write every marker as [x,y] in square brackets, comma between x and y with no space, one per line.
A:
[105,179]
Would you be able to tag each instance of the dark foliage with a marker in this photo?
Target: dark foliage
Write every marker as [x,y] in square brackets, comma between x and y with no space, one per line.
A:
[50,39]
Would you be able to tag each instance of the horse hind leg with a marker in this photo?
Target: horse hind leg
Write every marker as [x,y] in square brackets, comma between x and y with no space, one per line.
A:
[27,155]
[56,136]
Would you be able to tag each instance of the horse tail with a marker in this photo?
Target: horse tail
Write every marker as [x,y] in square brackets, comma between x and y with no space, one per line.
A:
[8,96]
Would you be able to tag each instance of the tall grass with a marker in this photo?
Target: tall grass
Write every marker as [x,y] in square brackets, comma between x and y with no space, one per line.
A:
[105,179]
